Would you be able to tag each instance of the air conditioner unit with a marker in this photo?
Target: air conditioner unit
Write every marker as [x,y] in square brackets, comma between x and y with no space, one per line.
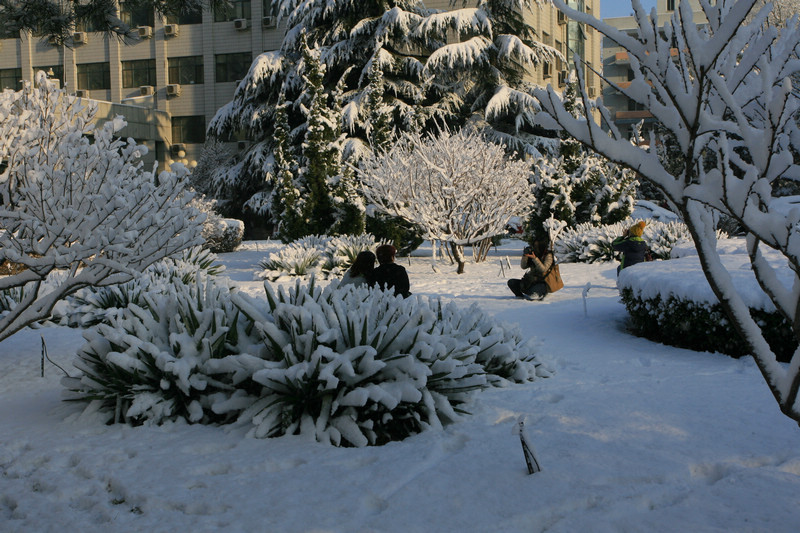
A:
[80,37]
[145,32]
[175,149]
[173,89]
[171,30]
[240,24]
[561,17]
[268,22]
[146,90]
[82,93]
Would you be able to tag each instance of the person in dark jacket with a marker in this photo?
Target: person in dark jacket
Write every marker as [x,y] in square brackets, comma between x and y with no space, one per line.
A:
[631,246]
[390,275]
[538,260]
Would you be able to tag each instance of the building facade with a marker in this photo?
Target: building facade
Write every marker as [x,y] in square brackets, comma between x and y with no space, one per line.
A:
[186,68]
[617,68]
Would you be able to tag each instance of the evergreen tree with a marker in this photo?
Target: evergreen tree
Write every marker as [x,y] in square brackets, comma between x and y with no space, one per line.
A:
[426,82]
[579,186]
[286,203]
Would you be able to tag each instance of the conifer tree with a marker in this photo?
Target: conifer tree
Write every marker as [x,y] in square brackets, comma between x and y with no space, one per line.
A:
[286,202]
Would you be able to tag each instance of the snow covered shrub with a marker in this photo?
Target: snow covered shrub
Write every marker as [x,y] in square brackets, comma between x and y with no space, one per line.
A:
[586,243]
[317,254]
[152,363]
[355,366]
[9,298]
[95,304]
[223,235]
[294,259]
[701,326]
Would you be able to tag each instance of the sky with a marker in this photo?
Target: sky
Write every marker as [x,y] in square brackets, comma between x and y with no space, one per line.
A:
[621,8]
[631,436]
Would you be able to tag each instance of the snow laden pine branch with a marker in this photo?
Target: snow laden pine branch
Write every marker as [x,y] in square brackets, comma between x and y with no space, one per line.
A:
[723,93]
[77,213]
[457,187]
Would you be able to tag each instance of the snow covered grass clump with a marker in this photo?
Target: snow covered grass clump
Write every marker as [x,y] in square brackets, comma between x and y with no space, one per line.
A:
[94,304]
[671,302]
[152,362]
[316,254]
[589,244]
[360,366]
[350,366]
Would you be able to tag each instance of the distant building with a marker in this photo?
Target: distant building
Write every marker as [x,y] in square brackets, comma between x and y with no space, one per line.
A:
[182,70]
[617,69]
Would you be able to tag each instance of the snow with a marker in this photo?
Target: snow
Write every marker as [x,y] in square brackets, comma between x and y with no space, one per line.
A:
[631,436]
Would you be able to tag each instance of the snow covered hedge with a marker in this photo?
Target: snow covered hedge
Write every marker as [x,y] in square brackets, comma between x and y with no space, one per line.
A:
[586,243]
[316,254]
[671,302]
[350,366]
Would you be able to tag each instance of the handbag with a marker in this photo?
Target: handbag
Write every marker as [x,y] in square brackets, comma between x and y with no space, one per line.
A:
[553,279]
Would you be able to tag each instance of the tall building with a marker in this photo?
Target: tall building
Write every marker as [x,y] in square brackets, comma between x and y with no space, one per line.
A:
[183,69]
[617,67]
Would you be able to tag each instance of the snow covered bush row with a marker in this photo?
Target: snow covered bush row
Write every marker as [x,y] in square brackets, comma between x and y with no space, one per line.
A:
[350,366]
[586,243]
[93,305]
[674,304]
[316,254]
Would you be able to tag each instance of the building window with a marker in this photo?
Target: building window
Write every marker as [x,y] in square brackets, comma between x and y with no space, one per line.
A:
[135,15]
[94,76]
[237,9]
[232,67]
[190,130]
[547,70]
[670,5]
[138,73]
[185,70]
[54,72]
[11,78]
[190,17]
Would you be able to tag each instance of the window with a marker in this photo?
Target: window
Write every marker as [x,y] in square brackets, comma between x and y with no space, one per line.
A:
[232,67]
[138,73]
[238,9]
[190,129]
[189,17]
[266,7]
[11,78]
[185,70]
[135,15]
[54,72]
[86,25]
[547,70]
[94,76]
[670,5]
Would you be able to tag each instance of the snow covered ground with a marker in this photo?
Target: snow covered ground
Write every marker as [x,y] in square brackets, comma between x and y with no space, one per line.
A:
[632,436]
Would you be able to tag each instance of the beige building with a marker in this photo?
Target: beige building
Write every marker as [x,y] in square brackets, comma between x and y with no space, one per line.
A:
[617,68]
[182,70]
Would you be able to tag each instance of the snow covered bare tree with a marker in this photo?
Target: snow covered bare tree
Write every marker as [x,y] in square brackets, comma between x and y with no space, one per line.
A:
[77,207]
[458,187]
[722,90]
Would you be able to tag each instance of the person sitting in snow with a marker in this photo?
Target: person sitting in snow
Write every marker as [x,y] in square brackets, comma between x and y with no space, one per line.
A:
[360,272]
[631,246]
[390,275]
[538,260]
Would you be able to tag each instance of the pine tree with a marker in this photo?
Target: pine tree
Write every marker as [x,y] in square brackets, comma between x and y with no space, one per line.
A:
[424,84]
[286,203]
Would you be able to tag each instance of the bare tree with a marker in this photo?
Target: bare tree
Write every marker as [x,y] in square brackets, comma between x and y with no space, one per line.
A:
[457,187]
[78,206]
[726,99]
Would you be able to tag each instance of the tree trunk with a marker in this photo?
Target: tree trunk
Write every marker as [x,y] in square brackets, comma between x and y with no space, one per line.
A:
[458,256]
